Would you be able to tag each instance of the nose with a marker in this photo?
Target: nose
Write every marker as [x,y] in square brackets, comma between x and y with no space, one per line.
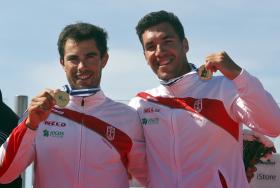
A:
[159,50]
[82,64]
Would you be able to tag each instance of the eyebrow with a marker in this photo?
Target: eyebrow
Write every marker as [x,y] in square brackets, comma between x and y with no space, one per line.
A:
[168,37]
[70,56]
[163,38]
[92,53]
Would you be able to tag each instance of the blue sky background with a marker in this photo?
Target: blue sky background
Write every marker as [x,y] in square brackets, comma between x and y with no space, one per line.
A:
[249,31]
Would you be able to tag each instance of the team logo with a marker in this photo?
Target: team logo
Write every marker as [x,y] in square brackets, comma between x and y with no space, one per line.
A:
[198,105]
[110,133]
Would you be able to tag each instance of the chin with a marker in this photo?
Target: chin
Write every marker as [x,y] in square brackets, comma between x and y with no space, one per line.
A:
[80,87]
[84,85]
[164,77]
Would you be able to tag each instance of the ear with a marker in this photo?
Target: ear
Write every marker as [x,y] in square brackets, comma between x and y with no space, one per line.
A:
[104,60]
[61,61]
[186,45]
[146,58]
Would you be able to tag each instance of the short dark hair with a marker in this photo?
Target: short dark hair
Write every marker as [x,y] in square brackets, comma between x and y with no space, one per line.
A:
[80,32]
[155,18]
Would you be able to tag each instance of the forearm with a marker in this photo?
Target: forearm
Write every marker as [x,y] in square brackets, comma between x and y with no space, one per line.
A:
[16,153]
[257,107]
[137,163]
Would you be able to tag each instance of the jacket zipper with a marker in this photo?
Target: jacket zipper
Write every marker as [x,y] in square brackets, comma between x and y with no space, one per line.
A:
[81,140]
[174,151]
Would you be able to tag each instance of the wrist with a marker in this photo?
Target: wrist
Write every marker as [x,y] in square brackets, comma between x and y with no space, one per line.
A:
[29,125]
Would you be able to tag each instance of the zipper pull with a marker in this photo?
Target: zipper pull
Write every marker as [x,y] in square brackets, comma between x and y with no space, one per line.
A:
[83,102]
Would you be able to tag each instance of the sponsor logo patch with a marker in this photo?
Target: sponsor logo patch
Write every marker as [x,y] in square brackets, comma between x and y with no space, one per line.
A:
[150,121]
[56,134]
[55,123]
[151,110]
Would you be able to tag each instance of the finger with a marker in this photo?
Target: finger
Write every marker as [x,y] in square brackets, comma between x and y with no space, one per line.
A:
[37,106]
[51,91]
[34,108]
[211,66]
[50,98]
[217,57]
[45,106]
[49,95]
[43,102]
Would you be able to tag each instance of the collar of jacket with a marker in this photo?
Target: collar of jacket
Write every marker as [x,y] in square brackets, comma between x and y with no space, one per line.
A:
[94,100]
[184,84]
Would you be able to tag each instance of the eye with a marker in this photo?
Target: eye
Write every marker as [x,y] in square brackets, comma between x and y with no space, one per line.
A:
[150,47]
[72,59]
[91,55]
[168,41]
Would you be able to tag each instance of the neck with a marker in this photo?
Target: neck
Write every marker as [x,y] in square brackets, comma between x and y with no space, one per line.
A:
[190,67]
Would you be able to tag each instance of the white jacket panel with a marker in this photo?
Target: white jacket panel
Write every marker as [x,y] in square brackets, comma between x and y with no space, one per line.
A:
[185,149]
[67,154]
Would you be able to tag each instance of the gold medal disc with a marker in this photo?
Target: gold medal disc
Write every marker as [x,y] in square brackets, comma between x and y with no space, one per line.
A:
[204,74]
[61,98]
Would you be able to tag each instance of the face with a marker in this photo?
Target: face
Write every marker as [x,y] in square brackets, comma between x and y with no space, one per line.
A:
[83,64]
[165,52]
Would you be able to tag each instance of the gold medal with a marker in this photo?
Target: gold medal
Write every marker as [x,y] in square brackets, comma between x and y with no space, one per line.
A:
[61,98]
[204,74]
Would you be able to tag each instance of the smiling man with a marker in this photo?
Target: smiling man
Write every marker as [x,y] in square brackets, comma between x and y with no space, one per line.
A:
[91,142]
[192,121]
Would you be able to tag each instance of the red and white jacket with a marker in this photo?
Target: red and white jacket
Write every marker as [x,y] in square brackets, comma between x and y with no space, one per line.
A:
[67,154]
[200,147]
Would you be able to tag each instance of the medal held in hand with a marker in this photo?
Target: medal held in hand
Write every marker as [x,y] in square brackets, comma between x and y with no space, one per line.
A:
[61,98]
[204,74]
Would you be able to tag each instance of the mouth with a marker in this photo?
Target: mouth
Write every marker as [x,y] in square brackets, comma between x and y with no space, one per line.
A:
[164,62]
[83,77]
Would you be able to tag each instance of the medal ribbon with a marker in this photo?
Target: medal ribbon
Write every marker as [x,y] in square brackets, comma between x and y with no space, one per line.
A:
[80,92]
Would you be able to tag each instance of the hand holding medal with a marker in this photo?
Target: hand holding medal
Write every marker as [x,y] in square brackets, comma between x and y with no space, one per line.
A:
[222,62]
[41,106]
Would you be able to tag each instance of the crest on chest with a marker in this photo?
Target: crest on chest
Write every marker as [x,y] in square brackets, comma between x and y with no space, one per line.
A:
[197,106]
[110,133]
